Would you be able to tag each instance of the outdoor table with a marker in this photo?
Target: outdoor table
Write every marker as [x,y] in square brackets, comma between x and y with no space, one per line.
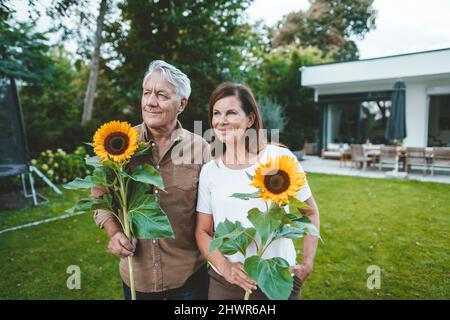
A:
[346,156]
[373,153]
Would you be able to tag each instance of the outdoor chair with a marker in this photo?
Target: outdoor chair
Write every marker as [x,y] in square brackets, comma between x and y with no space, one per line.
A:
[359,156]
[440,158]
[332,151]
[388,155]
[416,157]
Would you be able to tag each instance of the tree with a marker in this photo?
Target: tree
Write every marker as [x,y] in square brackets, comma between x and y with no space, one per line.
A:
[205,39]
[23,52]
[52,107]
[95,62]
[329,25]
[279,79]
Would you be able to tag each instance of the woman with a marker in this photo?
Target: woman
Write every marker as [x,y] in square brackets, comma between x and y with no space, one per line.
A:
[233,114]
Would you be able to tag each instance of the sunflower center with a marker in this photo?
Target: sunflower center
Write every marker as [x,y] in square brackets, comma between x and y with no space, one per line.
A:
[116,143]
[277,181]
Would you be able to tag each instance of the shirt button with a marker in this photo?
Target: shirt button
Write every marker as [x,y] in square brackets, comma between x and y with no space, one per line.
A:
[154,241]
[156,264]
[156,191]
[157,167]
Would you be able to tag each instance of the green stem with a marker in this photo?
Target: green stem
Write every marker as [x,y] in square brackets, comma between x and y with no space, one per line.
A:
[130,259]
[127,230]
[266,246]
[254,240]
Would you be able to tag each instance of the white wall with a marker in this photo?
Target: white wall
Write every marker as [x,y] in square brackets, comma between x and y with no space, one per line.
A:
[416,103]
[416,115]
[417,111]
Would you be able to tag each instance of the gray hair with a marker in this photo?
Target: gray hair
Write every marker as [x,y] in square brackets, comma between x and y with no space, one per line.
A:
[173,75]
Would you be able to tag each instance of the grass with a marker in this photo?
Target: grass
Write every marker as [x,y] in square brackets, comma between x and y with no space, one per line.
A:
[400,226]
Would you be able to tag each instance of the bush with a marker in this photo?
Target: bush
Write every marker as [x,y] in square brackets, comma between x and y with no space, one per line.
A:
[272,114]
[58,166]
[61,167]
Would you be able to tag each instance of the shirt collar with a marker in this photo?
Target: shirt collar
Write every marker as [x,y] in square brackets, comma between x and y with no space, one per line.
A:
[177,134]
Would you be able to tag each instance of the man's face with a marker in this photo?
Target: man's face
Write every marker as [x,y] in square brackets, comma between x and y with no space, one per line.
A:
[160,103]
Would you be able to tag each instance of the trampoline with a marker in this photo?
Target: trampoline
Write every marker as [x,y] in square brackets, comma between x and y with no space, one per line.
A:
[13,145]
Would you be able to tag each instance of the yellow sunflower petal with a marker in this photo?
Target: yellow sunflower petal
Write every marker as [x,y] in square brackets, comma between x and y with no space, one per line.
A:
[116,140]
[278,179]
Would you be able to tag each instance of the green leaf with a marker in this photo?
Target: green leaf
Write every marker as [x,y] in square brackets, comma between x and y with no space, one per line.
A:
[97,178]
[288,231]
[93,161]
[249,176]
[79,183]
[147,174]
[272,276]
[301,224]
[147,219]
[246,196]
[143,149]
[295,205]
[107,203]
[231,237]
[87,204]
[309,228]
[96,162]
[266,223]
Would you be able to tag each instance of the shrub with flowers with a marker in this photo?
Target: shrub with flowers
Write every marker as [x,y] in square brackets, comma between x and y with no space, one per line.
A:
[58,166]
[62,167]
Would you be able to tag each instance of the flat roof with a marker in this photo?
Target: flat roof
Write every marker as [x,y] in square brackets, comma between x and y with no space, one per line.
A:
[410,65]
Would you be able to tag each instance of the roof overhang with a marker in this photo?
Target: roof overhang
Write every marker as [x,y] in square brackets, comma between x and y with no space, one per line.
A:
[379,73]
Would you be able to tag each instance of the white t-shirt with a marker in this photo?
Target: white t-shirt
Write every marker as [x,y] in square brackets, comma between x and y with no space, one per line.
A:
[217,184]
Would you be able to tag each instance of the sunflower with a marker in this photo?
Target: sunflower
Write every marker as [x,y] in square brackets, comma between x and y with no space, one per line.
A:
[116,140]
[278,179]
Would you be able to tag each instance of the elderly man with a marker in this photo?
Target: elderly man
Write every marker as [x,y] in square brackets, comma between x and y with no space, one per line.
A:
[165,268]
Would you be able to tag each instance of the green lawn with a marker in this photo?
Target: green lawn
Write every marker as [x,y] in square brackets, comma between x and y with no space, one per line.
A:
[401,226]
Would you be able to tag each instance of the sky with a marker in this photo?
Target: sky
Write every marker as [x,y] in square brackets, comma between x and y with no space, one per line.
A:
[402,26]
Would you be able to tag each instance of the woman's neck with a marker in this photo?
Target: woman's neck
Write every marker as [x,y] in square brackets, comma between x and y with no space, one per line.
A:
[237,155]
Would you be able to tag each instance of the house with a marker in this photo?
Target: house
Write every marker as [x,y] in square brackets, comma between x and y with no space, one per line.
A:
[355,98]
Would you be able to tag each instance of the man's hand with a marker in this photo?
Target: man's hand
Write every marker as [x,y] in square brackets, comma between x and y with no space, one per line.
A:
[119,245]
[302,271]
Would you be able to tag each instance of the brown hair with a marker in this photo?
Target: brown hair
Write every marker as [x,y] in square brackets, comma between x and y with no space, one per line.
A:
[248,105]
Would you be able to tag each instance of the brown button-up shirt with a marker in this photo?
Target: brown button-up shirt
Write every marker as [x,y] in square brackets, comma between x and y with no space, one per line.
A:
[162,264]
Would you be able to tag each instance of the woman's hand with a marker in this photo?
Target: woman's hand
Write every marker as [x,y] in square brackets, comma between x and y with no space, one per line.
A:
[302,271]
[234,273]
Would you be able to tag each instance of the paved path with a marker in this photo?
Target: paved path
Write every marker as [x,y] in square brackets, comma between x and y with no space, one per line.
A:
[317,165]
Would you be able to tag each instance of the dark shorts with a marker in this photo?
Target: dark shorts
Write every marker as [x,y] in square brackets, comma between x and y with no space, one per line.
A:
[195,288]
[221,289]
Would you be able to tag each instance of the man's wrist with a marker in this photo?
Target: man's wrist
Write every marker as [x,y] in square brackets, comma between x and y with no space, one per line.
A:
[112,227]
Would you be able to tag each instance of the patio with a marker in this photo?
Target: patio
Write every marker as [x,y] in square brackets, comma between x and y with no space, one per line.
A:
[315,164]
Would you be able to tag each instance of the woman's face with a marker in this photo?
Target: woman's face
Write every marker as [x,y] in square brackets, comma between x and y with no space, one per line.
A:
[229,120]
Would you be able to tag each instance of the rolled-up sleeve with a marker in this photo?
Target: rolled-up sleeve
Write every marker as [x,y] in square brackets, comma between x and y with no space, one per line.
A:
[100,215]
[305,192]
